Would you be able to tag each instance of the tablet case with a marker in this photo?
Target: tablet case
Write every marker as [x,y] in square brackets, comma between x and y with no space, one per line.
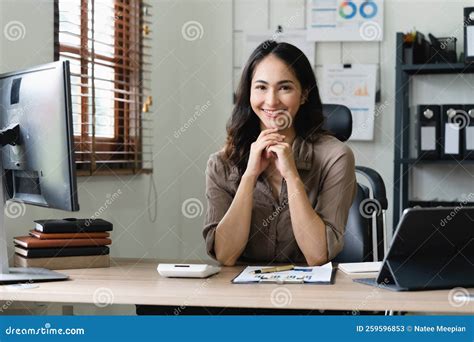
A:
[433,248]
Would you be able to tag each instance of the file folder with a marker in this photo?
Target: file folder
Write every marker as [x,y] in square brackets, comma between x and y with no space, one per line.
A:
[429,132]
[469,34]
[451,131]
[468,146]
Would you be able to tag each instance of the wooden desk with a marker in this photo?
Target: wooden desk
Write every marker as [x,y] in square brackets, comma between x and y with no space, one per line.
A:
[132,281]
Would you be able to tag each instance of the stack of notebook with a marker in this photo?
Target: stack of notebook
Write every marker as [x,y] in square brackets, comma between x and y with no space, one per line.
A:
[65,244]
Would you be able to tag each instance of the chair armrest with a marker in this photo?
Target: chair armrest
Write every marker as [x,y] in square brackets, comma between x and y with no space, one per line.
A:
[376,183]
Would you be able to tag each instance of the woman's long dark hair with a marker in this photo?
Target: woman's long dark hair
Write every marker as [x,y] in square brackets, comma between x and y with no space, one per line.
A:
[243,126]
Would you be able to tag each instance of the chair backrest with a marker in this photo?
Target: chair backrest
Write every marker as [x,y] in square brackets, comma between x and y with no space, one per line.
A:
[358,244]
[338,120]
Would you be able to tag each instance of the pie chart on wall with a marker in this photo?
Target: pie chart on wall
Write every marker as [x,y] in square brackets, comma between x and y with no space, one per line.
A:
[337,88]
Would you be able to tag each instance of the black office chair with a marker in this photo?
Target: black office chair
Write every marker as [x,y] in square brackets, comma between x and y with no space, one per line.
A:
[359,242]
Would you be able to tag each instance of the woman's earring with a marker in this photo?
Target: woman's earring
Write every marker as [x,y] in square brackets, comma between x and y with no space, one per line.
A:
[304,97]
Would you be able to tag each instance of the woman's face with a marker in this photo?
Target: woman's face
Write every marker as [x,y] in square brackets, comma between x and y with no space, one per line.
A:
[275,94]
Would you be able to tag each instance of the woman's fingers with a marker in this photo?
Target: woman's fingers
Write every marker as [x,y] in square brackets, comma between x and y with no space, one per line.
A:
[262,143]
[273,148]
[267,138]
[267,143]
[260,148]
[275,137]
[267,131]
[277,148]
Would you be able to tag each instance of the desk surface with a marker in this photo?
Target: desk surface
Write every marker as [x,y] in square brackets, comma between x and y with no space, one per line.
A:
[133,281]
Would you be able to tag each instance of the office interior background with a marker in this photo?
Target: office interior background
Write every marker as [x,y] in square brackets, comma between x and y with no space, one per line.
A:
[148,215]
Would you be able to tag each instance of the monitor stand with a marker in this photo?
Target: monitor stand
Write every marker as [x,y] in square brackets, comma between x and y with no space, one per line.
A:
[11,275]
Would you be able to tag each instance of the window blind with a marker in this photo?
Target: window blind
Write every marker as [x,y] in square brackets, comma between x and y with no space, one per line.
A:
[108,45]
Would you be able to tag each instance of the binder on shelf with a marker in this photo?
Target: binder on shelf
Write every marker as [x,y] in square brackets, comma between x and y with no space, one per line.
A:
[468,146]
[451,131]
[469,34]
[429,131]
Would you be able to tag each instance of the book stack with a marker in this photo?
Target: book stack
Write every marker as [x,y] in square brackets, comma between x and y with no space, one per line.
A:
[65,244]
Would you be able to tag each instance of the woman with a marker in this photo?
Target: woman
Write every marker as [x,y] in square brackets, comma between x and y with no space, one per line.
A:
[281,188]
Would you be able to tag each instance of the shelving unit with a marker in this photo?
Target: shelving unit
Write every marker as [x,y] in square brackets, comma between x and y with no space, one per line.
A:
[427,161]
[438,68]
[403,162]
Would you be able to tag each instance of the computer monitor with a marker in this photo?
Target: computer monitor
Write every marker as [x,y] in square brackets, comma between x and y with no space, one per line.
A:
[37,150]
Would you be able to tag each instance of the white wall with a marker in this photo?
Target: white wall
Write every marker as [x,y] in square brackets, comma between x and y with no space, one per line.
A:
[194,88]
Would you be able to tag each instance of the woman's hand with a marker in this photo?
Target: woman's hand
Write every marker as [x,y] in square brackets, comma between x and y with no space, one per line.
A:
[285,162]
[260,157]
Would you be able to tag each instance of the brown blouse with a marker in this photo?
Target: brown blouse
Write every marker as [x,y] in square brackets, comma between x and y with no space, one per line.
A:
[327,170]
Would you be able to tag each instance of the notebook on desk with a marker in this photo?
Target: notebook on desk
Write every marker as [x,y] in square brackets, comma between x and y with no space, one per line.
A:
[299,275]
[360,267]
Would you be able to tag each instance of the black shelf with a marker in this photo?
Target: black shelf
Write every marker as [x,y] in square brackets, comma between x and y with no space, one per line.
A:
[438,68]
[434,161]
[402,161]
[433,204]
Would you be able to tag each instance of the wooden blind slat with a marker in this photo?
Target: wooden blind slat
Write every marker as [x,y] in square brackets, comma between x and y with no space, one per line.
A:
[104,61]
[107,108]
[105,119]
[114,90]
[115,144]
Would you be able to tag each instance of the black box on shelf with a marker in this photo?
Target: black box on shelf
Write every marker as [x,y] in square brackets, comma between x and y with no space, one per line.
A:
[452,131]
[443,50]
[429,131]
[417,52]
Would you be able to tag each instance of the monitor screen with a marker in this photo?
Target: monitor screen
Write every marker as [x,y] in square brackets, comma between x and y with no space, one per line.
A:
[40,169]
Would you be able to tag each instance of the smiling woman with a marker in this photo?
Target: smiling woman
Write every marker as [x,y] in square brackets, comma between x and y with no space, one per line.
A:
[281,188]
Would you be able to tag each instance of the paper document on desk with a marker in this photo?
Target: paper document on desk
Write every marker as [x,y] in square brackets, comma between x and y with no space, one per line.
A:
[311,275]
[361,267]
